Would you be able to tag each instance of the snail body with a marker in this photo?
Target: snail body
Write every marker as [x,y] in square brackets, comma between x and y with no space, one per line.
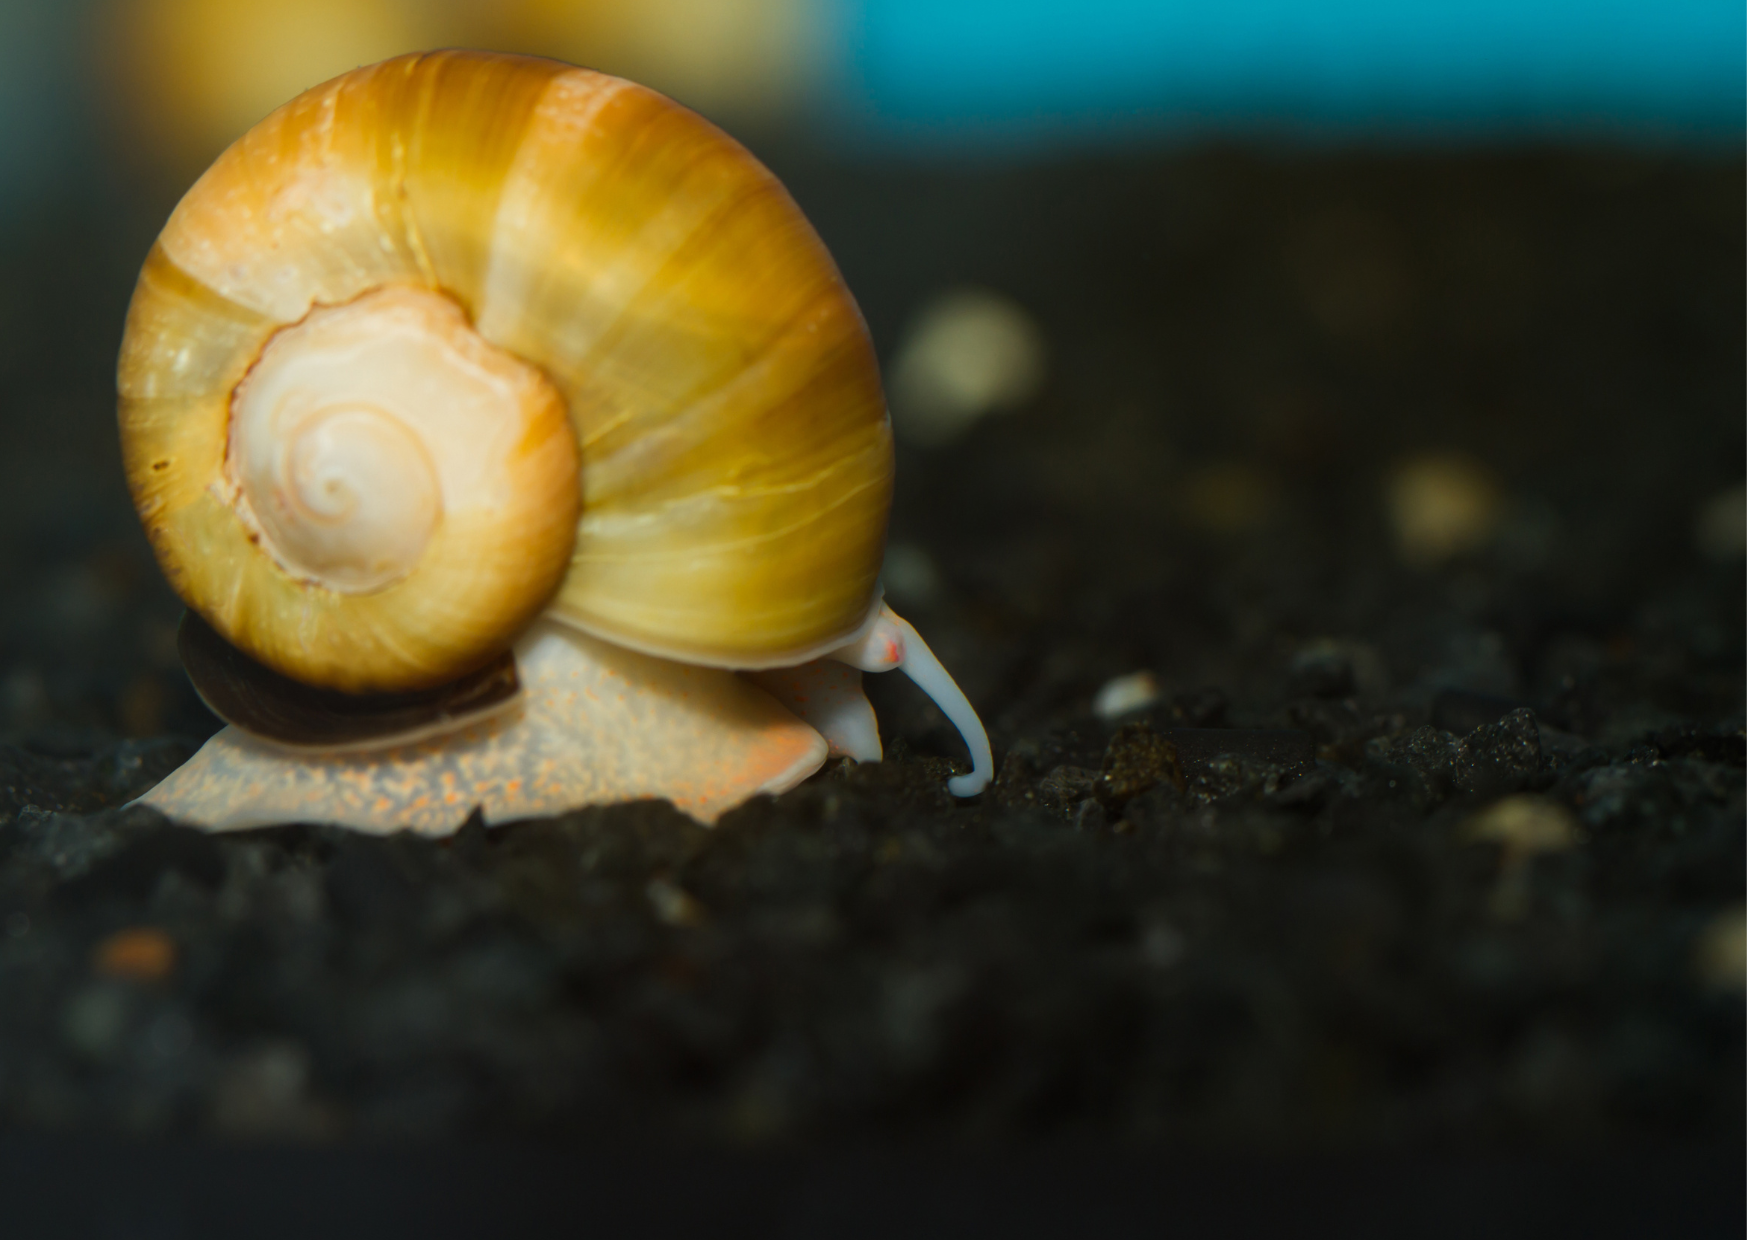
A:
[595,724]
[462,352]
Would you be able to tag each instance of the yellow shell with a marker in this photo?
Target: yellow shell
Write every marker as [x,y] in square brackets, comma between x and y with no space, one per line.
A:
[726,432]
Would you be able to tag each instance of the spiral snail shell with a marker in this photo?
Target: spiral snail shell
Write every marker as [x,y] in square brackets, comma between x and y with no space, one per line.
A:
[462,353]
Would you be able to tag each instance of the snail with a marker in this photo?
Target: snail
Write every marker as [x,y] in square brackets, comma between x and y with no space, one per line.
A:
[515,445]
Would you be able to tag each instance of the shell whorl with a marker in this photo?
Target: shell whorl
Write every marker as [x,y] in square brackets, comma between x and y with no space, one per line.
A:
[731,460]
[362,428]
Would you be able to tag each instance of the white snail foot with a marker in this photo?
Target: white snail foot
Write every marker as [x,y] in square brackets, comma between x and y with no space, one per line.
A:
[598,724]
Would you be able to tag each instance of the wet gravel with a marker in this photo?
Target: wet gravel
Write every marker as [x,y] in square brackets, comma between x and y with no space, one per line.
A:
[1437,848]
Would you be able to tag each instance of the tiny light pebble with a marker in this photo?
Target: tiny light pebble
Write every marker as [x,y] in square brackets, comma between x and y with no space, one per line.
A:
[1720,954]
[1526,826]
[95,1020]
[1441,505]
[673,904]
[1162,946]
[264,1091]
[910,575]
[970,352]
[1720,528]
[140,954]
[1122,695]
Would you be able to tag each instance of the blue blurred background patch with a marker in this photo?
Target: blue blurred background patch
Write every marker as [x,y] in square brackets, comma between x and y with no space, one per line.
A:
[166,83]
[1026,71]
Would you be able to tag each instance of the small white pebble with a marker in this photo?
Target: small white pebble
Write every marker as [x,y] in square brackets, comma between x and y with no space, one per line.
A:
[969,352]
[1122,695]
[264,1092]
[673,904]
[1441,505]
[1720,954]
[1525,825]
[910,575]
[95,1020]
[1162,946]
[1721,527]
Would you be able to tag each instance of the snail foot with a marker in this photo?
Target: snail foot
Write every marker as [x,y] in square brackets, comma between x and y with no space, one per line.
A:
[597,724]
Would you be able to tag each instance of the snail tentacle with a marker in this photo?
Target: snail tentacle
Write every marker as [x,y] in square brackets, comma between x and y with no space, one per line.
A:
[892,642]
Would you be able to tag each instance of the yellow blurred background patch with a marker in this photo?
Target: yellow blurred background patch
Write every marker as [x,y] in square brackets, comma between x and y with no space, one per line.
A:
[186,77]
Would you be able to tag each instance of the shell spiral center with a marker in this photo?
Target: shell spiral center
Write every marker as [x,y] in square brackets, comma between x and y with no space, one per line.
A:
[360,427]
[348,497]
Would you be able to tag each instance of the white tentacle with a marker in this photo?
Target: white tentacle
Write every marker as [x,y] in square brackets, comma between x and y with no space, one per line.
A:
[892,642]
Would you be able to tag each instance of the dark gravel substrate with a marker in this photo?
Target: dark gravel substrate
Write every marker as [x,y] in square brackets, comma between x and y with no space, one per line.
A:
[1267,913]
